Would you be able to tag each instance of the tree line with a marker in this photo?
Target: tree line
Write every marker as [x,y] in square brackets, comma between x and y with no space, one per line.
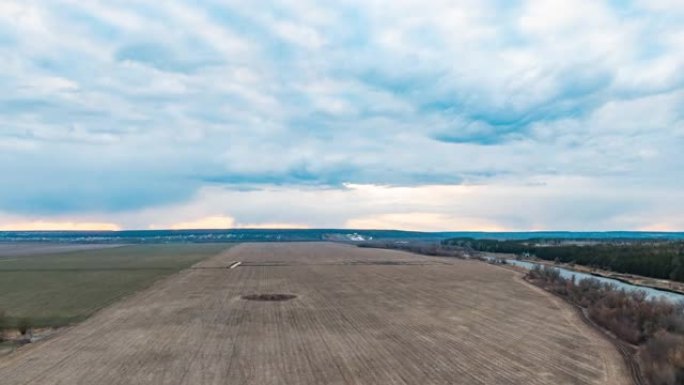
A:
[656,259]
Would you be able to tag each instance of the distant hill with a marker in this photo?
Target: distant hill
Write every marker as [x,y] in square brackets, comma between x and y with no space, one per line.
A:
[280,235]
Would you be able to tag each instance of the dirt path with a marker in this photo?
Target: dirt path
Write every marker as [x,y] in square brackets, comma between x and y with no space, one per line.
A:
[628,352]
[361,316]
[581,322]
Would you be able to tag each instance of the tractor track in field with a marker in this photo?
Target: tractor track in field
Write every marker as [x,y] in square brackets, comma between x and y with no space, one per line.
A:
[627,351]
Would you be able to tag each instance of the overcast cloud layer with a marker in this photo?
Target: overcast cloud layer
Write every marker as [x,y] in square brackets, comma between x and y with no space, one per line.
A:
[482,114]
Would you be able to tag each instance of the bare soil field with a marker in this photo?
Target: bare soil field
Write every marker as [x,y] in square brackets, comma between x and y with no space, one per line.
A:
[360,316]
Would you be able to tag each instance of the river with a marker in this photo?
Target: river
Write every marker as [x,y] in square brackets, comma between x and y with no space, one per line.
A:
[651,293]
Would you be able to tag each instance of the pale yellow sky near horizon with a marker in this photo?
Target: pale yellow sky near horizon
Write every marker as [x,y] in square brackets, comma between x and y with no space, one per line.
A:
[512,207]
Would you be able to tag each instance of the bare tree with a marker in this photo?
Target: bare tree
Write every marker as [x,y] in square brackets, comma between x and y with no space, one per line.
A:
[24,326]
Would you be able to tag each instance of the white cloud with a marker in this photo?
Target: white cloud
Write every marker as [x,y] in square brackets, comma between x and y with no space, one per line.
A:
[51,84]
[548,203]
[49,225]
[119,107]
[422,222]
[215,222]
[273,226]
[299,34]
[573,203]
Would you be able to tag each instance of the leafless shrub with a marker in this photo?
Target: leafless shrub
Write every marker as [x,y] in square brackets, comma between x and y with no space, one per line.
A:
[662,359]
[24,325]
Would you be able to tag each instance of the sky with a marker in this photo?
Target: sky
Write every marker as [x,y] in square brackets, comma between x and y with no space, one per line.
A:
[440,115]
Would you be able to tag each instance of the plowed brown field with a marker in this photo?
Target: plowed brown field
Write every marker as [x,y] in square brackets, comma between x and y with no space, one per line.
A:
[361,316]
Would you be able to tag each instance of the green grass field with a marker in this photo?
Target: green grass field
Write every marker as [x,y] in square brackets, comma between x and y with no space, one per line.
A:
[59,289]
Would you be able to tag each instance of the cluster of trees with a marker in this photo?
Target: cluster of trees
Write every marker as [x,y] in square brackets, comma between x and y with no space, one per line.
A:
[657,259]
[655,326]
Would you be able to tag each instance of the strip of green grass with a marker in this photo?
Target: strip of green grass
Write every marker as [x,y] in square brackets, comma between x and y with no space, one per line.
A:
[58,289]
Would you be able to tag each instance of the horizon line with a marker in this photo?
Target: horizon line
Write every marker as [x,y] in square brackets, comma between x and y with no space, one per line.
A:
[338,229]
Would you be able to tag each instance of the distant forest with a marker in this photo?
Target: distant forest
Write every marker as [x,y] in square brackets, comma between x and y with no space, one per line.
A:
[656,259]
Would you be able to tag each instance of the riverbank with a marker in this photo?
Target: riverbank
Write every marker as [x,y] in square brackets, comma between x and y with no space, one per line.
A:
[653,328]
[631,279]
[629,352]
